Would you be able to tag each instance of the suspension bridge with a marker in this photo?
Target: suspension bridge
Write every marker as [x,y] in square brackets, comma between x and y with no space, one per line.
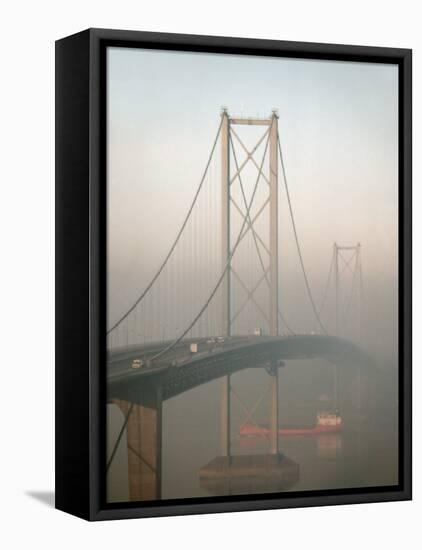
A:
[212,307]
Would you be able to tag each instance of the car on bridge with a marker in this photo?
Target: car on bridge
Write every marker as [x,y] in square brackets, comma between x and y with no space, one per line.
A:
[137,364]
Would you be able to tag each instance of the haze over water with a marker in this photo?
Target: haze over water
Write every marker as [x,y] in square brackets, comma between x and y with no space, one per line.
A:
[363,455]
[338,130]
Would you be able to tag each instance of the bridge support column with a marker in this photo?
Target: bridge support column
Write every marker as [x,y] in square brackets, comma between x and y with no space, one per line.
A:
[225,286]
[225,223]
[225,416]
[274,411]
[273,305]
[273,240]
[144,448]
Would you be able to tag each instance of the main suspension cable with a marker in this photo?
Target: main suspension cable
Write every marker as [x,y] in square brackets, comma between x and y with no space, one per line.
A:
[226,267]
[119,437]
[352,290]
[179,234]
[327,284]
[305,276]
[258,251]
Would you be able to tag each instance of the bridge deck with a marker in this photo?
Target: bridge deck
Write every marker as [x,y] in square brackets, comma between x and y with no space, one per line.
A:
[181,370]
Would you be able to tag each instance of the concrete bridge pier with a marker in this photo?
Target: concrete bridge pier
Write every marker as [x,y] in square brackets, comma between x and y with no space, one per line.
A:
[274,411]
[144,449]
[249,473]
[225,418]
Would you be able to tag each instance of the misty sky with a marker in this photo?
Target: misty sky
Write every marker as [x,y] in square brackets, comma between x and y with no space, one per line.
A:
[338,127]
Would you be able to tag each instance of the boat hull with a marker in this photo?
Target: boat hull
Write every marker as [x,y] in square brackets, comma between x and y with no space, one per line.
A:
[252,430]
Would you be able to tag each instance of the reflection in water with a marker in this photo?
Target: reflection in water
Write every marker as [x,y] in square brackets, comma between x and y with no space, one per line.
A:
[329,446]
[363,454]
[248,474]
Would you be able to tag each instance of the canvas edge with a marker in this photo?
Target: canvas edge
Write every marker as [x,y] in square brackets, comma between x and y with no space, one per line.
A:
[95,510]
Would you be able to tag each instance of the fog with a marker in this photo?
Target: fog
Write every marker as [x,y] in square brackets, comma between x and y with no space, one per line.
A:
[338,126]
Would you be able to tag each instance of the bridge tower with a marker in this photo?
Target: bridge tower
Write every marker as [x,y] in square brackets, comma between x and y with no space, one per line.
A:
[348,258]
[341,264]
[271,275]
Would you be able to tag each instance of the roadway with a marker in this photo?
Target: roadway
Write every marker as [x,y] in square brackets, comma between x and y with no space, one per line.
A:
[132,375]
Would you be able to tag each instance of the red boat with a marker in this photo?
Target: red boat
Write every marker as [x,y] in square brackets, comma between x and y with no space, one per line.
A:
[326,423]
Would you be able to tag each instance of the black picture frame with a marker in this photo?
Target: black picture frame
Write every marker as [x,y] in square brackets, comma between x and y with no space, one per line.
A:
[81,272]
